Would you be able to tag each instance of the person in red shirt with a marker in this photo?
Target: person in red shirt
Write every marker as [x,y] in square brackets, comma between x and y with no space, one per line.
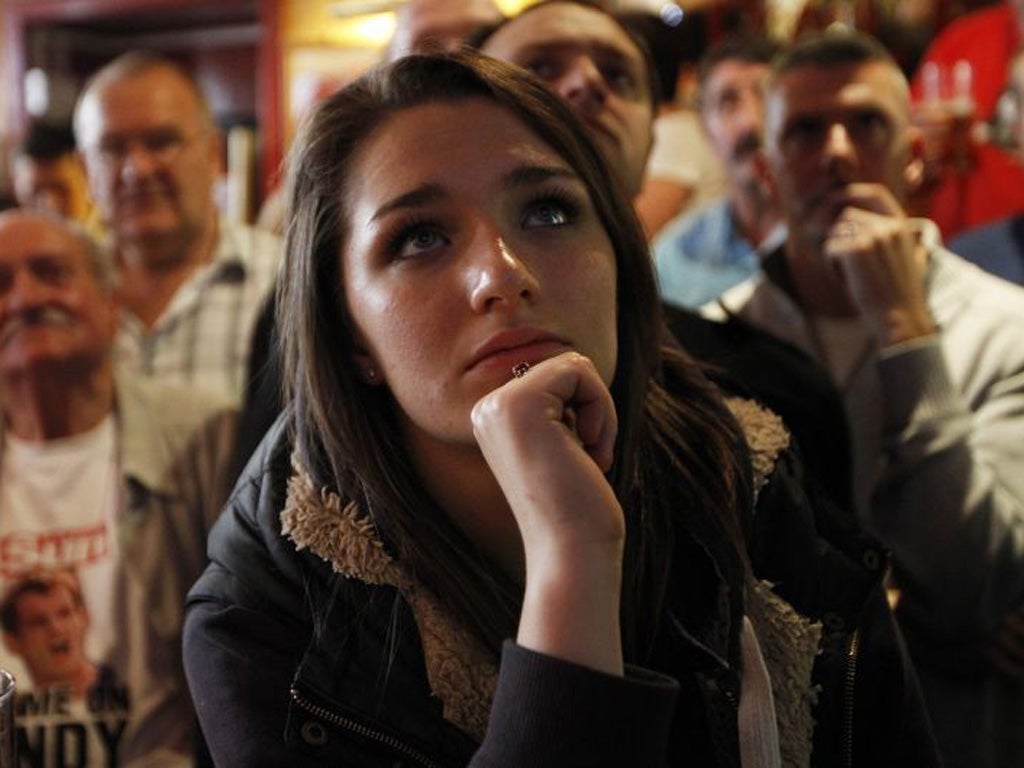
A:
[969,180]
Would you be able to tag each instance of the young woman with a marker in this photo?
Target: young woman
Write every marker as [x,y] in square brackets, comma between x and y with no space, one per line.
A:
[486,440]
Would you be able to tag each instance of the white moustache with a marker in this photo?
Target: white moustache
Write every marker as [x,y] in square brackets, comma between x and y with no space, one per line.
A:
[141,189]
[52,316]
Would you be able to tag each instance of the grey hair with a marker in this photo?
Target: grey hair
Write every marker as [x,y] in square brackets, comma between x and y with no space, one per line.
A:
[132,64]
[99,255]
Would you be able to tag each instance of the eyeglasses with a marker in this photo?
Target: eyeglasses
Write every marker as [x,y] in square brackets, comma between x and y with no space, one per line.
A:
[162,146]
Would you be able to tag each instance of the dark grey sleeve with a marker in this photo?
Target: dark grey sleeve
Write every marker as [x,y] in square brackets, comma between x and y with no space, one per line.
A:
[549,712]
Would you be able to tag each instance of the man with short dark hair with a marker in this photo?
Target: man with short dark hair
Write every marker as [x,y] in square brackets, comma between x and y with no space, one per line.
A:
[598,67]
[110,475]
[47,173]
[192,282]
[438,25]
[703,253]
[928,352]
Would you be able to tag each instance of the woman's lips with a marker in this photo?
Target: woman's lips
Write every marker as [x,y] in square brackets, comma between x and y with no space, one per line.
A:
[534,353]
[503,350]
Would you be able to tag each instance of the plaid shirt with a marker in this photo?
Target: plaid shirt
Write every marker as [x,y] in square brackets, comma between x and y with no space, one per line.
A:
[202,339]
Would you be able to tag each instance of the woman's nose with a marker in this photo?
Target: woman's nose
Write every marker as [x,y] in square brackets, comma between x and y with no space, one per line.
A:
[498,277]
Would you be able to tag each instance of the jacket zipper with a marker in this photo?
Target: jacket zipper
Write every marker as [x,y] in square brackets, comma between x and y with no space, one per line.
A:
[364,731]
[851,674]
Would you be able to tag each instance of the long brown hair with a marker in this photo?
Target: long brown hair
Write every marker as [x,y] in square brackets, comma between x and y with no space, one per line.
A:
[679,454]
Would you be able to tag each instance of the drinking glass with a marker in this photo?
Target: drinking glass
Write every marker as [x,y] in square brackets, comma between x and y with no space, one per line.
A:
[945,116]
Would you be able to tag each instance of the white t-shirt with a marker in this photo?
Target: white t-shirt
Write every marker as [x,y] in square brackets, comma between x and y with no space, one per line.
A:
[59,504]
[844,346]
[681,153]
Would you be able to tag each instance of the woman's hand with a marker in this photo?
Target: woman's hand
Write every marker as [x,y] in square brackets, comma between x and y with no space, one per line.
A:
[548,437]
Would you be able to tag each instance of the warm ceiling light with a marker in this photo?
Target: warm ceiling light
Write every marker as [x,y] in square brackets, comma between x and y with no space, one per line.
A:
[344,9]
[347,8]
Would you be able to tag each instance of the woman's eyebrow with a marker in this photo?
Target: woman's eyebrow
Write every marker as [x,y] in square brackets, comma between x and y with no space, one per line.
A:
[532,175]
[520,176]
[422,195]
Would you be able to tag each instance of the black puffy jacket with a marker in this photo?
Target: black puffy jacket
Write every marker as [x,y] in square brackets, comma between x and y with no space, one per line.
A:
[294,664]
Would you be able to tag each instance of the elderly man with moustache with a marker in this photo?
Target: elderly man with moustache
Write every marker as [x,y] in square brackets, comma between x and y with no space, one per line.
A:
[928,352]
[113,476]
[705,252]
[191,282]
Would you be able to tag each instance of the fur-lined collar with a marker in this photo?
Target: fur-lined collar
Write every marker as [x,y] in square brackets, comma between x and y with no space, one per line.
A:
[460,670]
[766,435]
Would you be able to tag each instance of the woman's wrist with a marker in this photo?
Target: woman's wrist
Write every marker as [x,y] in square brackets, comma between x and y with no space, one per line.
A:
[571,605]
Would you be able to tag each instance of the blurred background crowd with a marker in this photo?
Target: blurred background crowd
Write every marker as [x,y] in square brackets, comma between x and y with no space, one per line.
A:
[161,128]
[263,63]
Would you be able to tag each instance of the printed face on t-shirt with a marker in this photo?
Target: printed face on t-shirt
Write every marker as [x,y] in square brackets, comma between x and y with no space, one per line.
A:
[50,634]
[82,668]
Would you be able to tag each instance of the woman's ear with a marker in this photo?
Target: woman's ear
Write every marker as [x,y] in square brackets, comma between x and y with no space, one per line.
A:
[367,370]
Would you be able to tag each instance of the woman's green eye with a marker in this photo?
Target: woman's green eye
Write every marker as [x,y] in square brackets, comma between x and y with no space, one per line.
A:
[414,240]
[548,213]
[425,238]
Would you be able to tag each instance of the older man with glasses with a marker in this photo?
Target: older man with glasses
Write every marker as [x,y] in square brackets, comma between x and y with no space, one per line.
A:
[191,283]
